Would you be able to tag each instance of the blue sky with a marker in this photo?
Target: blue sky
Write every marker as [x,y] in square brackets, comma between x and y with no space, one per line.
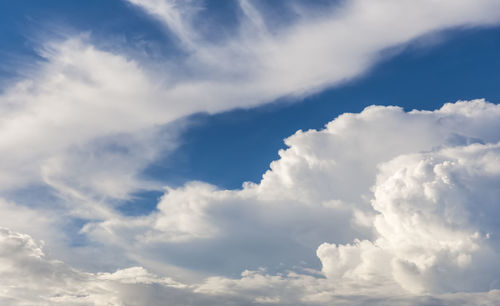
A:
[249,152]
[459,65]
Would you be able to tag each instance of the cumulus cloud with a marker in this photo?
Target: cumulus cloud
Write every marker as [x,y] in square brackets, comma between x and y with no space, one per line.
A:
[395,204]
[436,224]
[30,278]
[33,279]
[407,218]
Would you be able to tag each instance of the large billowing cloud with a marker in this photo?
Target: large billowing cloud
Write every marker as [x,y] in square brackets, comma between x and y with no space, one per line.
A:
[436,225]
[404,202]
[400,208]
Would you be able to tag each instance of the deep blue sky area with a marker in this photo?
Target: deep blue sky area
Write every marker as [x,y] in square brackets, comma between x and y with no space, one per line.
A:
[230,148]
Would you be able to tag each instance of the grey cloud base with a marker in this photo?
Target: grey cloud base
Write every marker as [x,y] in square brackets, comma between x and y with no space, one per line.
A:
[399,207]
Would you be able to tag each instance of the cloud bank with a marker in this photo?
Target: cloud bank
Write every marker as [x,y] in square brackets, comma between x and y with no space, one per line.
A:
[399,207]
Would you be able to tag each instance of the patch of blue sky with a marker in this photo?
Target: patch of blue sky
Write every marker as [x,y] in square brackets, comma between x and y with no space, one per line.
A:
[141,203]
[230,148]
[34,195]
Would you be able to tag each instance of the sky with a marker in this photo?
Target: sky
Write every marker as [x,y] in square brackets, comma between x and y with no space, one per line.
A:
[249,152]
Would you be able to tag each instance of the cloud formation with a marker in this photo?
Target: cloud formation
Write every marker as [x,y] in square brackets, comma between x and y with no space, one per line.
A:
[392,201]
[400,208]
[384,206]
[96,90]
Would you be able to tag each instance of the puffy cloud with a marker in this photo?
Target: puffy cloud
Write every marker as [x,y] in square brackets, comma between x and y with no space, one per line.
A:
[436,224]
[435,215]
[406,200]
[193,224]
[407,218]
[30,278]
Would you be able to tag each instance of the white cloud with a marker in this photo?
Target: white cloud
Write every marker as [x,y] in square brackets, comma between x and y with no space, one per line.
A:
[80,95]
[176,14]
[30,278]
[310,53]
[436,223]
[420,227]
[398,203]
[59,121]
